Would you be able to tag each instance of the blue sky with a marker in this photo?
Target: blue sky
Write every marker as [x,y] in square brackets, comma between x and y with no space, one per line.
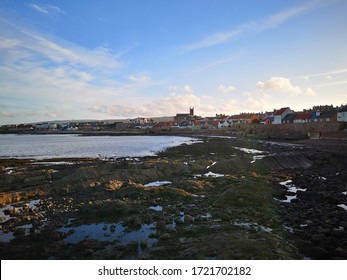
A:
[111,59]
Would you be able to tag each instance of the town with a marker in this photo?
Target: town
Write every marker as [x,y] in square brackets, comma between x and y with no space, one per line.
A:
[327,114]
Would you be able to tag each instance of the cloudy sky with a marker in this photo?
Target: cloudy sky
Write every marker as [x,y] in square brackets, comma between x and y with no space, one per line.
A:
[110,59]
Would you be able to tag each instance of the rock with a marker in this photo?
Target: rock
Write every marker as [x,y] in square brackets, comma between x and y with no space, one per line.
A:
[113,228]
[113,185]
[161,224]
[319,253]
[318,237]
[188,218]
[19,231]
[165,236]
[133,246]
[134,222]
[172,230]
[143,244]
[340,234]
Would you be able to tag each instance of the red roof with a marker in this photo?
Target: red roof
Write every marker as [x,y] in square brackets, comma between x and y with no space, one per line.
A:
[302,116]
[281,111]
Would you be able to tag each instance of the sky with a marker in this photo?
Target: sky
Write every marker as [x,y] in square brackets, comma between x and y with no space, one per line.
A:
[114,59]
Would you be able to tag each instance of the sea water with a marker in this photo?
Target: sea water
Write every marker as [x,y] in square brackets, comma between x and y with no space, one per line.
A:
[75,146]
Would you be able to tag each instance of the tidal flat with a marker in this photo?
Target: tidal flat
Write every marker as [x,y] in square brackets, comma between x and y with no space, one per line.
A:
[218,198]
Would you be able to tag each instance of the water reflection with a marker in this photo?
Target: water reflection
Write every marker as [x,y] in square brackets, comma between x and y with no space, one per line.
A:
[110,232]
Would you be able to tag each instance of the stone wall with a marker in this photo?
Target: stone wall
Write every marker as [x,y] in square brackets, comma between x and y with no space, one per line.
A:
[324,130]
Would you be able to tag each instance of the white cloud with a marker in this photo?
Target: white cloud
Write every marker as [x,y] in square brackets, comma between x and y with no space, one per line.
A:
[280,84]
[46,9]
[100,58]
[140,78]
[177,89]
[226,89]
[272,21]
[327,75]
[38,8]
[212,40]
[37,71]
[188,88]
[279,18]
[165,106]
[8,43]
[310,92]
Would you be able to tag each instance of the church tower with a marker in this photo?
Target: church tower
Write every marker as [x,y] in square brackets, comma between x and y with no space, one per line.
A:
[191,111]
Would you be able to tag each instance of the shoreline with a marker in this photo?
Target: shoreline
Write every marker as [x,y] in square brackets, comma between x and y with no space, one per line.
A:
[238,202]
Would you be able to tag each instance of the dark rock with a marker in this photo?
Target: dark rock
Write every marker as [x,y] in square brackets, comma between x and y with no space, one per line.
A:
[134,222]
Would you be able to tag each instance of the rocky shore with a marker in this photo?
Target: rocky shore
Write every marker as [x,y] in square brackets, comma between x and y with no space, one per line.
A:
[220,198]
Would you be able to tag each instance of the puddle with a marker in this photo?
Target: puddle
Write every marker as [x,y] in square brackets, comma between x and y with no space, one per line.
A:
[18,207]
[158,183]
[256,153]
[211,165]
[206,216]
[291,187]
[289,198]
[254,226]
[198,195]
[250,151]
[209,174]
[289,229]
[109,232]
[157,208]
[55,163]
[343,206]
[6,237]
[182,216]
[258,157]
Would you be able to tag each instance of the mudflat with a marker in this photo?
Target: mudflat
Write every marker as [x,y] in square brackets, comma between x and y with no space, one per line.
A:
[220,198]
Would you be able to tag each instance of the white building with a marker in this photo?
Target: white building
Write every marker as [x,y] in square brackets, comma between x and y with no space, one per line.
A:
[280,114]
[342,114]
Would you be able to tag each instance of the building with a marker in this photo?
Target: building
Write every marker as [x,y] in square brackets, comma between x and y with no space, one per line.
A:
[302,117]
[280,114]
[342,114]
[267,118]
[223,124]
[181,116]
[321,108]
[288,118]
[327,116]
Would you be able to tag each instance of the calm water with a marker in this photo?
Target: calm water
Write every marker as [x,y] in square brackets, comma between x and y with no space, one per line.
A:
[68,146]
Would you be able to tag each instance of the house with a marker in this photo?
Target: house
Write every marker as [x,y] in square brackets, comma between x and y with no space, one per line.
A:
[223,124]
[164,126]
[213,124]
[25,127]
[238,119]
[321,108]
[196,126]
[280,114]
[302,117]
[327,116]
[138,120]
[252,118]
[314,116]
[342,114]
[267,118]
[288,118]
